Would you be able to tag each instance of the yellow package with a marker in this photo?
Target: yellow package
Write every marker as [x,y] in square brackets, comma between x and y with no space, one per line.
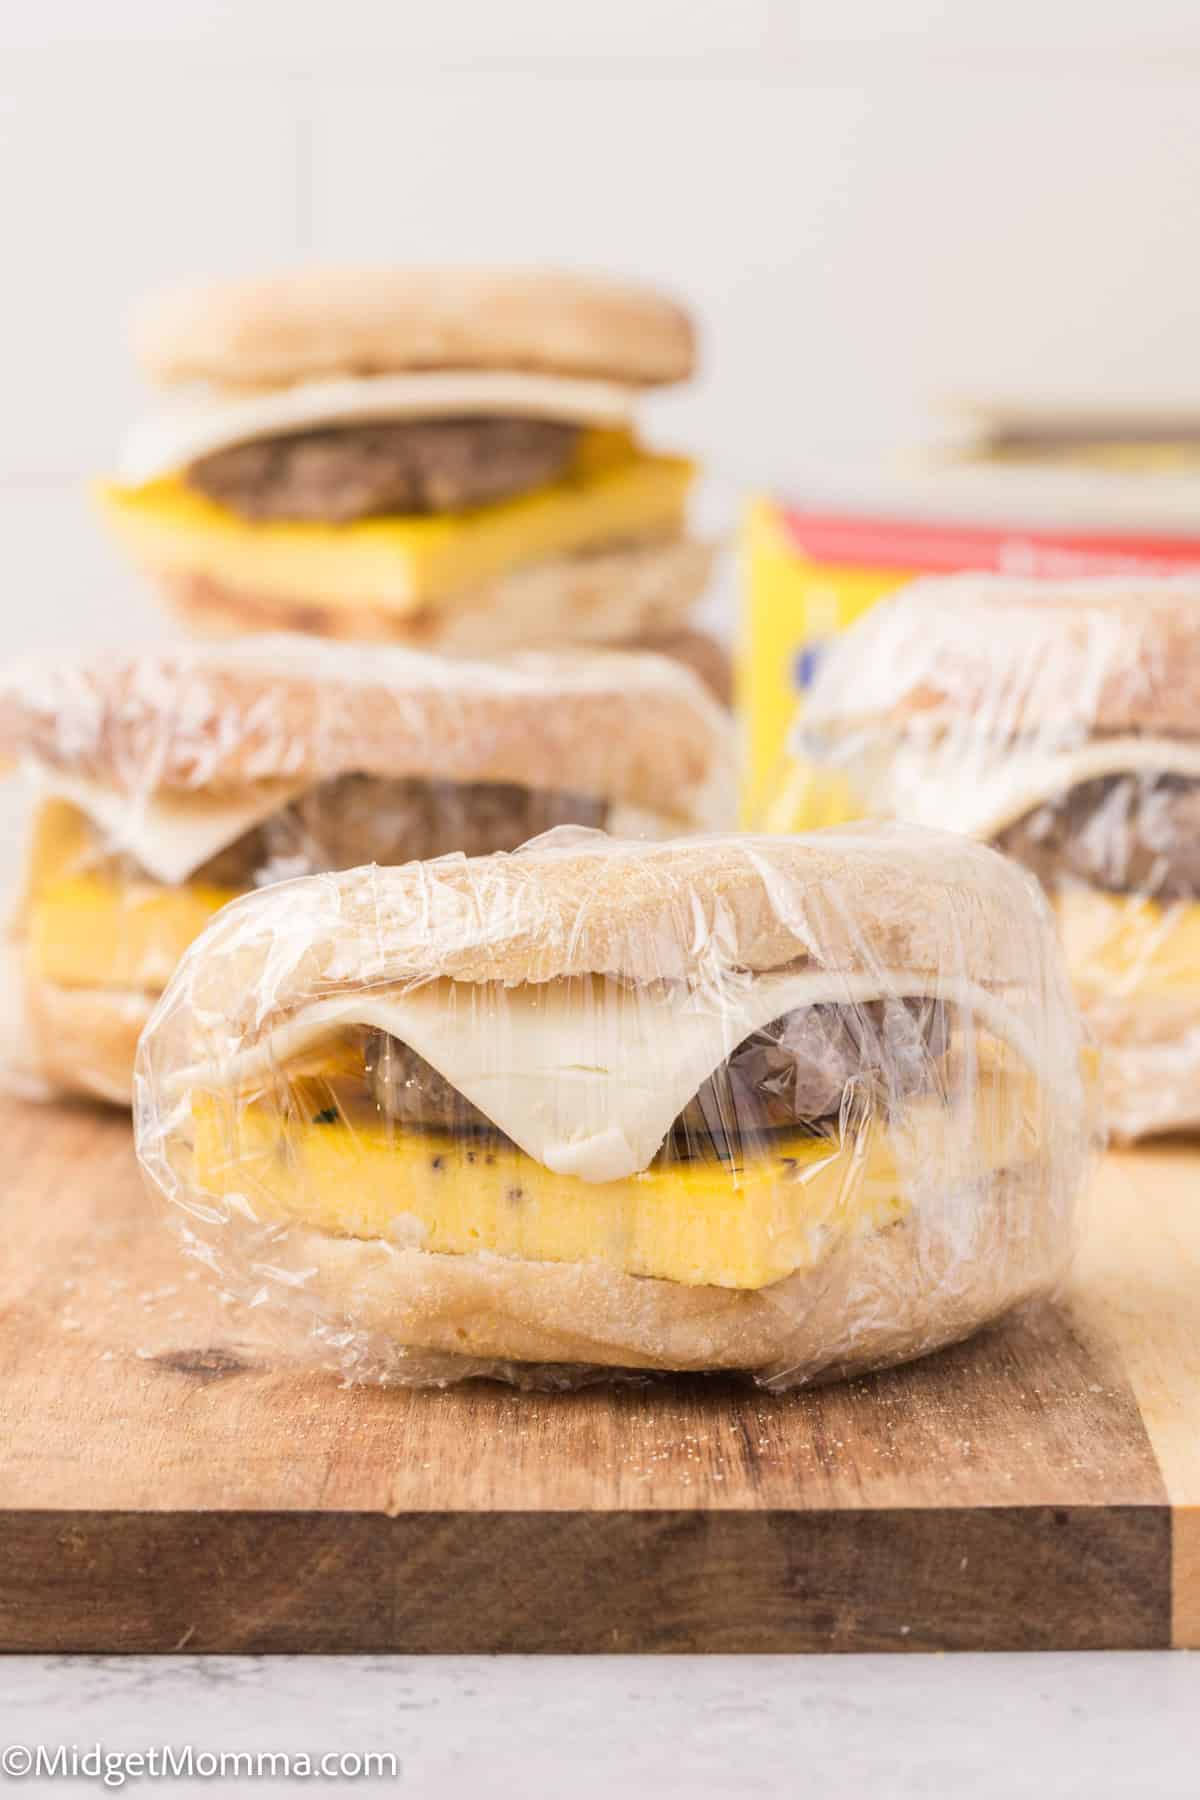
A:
[793,603]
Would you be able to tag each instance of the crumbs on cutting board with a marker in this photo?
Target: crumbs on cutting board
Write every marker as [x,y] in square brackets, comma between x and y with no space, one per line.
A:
[90,1301]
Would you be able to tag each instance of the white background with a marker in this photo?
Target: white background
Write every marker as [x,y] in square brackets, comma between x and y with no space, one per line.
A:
[873,204]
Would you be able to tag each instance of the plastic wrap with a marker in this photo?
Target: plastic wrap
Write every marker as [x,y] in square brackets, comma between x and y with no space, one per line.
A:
[1059,721]
[168,781]
[789,1106]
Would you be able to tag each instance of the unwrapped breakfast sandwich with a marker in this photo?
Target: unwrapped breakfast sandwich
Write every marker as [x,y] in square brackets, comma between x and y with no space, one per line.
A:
[786,1106]
[1060,721]
[445,458]
[169,781]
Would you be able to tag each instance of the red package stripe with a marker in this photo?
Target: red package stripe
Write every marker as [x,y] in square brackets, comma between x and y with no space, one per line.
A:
[846,538]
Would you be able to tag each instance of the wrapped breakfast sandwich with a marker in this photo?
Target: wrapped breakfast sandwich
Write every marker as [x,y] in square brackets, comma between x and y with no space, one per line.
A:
[782,1105]
[1060,721]
[1074,485]
[169,781]
[444,458]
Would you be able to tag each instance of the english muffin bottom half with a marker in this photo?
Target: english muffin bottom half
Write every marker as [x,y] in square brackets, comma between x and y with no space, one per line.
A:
[168,781]
[1057,719]
[784,1106]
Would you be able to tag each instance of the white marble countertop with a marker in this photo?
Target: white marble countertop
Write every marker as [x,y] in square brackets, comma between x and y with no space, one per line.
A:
[1071,1727]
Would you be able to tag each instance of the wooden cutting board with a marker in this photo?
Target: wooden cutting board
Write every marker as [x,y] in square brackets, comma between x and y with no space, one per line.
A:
[169,1481]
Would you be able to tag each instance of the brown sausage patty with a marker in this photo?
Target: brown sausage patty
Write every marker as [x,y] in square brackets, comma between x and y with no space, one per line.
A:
[1135,833]
[360,471]
[358,819]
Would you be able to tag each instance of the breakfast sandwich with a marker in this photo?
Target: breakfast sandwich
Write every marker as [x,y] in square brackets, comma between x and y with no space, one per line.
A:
[1058,720]
[445,458]
[168,781]
[782,1105]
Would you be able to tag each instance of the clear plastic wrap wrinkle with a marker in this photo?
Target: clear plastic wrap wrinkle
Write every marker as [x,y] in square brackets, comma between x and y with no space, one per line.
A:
[166,782]
[787,1106]
[1058,721]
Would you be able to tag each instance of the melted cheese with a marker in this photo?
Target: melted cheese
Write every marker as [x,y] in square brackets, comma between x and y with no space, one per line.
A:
[698,1223]
[205,422]
[401,564]
[953,786]
[588,1076]
[169,834]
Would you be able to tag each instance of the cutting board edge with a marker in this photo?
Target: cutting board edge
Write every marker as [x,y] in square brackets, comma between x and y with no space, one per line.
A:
[1003,1578]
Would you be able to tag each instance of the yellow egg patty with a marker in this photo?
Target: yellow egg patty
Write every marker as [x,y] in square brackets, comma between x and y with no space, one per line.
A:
[613,494]
[87,927]
[699,1222]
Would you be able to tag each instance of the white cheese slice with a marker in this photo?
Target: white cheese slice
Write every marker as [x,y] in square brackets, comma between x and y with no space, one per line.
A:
[169,834]
[587,1077]
[979,793]
[195,427]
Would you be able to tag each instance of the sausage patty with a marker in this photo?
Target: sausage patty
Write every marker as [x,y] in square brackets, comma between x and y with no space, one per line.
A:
[358,819]
[360,471]
[1135,833]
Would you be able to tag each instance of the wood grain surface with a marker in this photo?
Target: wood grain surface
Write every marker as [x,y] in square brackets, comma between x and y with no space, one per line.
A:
[170,1477]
